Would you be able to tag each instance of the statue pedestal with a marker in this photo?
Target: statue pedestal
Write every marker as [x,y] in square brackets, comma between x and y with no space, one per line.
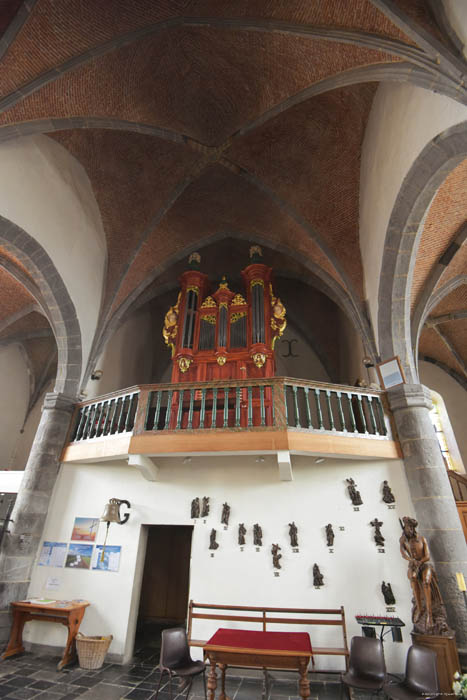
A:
[448,659]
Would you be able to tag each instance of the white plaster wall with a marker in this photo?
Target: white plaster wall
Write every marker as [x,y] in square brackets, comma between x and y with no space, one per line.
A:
[127,357]
[306,365]
[456,11]
[14,390]
[455,400]
[403,119]
[46,192]
[318,495]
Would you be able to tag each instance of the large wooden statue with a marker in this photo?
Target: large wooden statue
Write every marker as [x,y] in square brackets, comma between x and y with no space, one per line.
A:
[428,612]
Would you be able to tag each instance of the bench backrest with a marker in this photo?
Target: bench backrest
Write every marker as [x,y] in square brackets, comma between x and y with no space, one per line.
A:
[264,616]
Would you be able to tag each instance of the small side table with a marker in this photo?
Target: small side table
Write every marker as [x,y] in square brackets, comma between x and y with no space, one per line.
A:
[68,613]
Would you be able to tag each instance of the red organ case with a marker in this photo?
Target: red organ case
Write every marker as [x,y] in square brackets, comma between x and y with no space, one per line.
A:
[224,335]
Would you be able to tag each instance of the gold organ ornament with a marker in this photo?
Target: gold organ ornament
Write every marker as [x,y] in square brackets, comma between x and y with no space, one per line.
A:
[221,360]
[278,320]
[170,329]
[184,363]
[259,358]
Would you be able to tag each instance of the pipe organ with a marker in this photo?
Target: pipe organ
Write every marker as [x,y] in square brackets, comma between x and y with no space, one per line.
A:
[224,334]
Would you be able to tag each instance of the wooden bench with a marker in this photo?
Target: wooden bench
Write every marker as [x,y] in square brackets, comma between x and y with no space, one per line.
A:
[264,616]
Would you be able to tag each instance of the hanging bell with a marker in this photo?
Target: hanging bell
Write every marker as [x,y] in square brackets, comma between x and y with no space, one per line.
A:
[111,512]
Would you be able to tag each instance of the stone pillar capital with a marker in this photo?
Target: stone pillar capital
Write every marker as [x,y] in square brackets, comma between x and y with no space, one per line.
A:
[409,396]
[59,402]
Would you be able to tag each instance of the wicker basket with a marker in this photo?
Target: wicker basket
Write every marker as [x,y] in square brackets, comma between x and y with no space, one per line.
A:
[92,650]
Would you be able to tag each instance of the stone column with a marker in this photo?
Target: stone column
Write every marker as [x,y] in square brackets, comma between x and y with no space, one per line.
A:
[435,507]
[19,548]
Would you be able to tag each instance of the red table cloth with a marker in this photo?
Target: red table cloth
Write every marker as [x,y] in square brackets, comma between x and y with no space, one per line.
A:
[270,641]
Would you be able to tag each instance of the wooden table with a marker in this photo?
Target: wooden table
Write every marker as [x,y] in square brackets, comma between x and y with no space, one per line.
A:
[68,613]
[255,649]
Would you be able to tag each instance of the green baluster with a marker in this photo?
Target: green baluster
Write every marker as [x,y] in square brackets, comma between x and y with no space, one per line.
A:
[157,412]
[190,410]
[114,424]
[351,413]
[273,389]
[306,389]
[148,410]
[379,404]
[238,392]
[318,409]
[295,405]
[89,427]
[107,418]
[372,415]
[95,422]
[261,403]
[103,417]
[81,423]
[214,408]
[328,404]
[226,407]
[340,411]
[250,407]
[360,411]
[132,401]
[285,404]
[202,412]
[170,394]
[181,394]
[122,419]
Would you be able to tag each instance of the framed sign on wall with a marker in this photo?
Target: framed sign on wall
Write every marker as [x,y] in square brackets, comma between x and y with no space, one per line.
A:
[390,373]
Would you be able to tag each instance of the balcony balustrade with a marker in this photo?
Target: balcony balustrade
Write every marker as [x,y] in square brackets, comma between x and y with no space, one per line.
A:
[237,405]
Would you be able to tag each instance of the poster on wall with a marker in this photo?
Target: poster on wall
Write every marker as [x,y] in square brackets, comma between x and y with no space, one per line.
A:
[52,554]
[85,529]
[111,559]
[390,373]
[79,556]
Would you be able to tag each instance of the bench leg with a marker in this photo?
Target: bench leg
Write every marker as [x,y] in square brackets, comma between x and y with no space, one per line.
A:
[212,679]
[304,683]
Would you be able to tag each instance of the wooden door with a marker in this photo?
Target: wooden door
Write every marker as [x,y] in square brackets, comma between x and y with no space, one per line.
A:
[166,577]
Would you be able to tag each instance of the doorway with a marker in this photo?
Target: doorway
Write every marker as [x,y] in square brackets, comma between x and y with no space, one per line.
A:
[164,587]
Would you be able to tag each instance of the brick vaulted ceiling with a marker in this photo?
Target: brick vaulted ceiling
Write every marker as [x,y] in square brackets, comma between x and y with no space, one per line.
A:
[202,118]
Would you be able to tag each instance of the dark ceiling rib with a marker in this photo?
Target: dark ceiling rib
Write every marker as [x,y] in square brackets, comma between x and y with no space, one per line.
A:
[25,311]
[19,20]
[447,61]
[27,335]
[444,318]
[363,39]
[426,301]
[451,349]
[452,372]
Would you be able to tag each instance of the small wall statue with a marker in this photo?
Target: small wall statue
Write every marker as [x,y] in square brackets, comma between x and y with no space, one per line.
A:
[293,530]
[225,514]
[241,534]
[428,611]
[205,509]
[388,496]
[353,493]
[379,539]
[329,535]
[317,576]
[212,540]
[195,508]
[276,556]
[257,536]
[388,594]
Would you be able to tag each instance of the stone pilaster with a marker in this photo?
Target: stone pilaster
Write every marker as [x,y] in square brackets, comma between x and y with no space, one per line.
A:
[435,507]
[19,548]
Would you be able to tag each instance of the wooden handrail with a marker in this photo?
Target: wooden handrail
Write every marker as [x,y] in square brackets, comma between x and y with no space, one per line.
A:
[458,483]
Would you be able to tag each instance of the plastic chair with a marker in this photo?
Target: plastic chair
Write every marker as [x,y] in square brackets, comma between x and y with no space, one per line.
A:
[367,668]
[421,677]
[176,660]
